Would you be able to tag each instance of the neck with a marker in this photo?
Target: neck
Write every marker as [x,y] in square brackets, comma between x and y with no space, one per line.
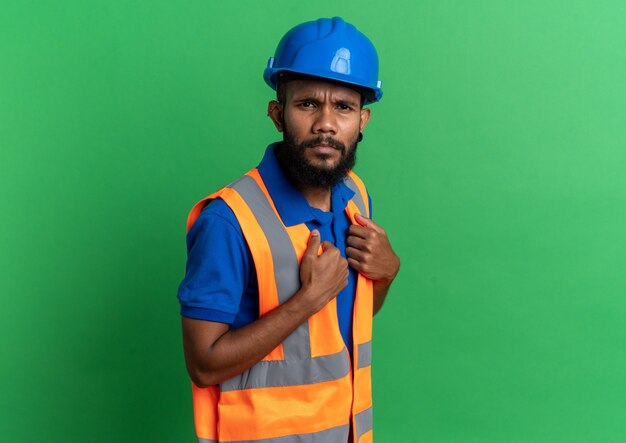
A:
[317,197]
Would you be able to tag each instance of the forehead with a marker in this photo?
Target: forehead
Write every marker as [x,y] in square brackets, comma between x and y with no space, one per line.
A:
[319,88]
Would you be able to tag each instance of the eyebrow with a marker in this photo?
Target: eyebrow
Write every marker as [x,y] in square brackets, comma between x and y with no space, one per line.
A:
[341,101]
[309,98]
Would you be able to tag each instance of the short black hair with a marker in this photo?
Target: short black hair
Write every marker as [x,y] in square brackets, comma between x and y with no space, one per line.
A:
[285,77]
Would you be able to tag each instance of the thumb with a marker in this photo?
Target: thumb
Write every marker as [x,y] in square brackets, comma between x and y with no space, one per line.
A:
[314,243]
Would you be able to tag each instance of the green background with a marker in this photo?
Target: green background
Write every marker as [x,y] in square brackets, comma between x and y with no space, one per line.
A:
[495,160]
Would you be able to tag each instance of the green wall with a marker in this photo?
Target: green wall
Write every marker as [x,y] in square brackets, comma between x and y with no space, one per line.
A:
[495,160]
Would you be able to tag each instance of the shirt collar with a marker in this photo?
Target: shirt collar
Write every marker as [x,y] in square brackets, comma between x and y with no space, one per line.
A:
[290,203]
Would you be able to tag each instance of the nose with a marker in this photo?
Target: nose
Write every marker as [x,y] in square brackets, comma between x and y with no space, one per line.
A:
[325,121]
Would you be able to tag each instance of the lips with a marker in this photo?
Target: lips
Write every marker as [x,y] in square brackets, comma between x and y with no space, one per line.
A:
[324,149]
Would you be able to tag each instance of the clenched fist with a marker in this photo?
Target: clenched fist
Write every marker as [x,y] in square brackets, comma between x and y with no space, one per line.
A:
[322,276]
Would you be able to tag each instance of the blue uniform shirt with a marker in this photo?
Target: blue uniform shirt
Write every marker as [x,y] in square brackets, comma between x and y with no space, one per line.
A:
[220,283]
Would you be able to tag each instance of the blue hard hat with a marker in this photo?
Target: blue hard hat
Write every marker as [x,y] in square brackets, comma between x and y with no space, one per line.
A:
[329,49]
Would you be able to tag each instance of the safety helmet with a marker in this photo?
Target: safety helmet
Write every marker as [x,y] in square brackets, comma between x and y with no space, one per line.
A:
[329,49]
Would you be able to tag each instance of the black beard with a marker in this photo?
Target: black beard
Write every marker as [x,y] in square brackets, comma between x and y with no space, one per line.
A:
[291,157]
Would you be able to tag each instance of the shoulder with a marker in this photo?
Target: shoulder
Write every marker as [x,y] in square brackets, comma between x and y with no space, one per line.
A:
[219,266]
[217,237]
[216,224]
[216,213]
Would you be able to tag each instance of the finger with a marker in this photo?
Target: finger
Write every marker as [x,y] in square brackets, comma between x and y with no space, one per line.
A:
[359,231]
[328,246]
[354,264]
[314,243]
[343,264]
[356,254]
[368,223]
[357,242]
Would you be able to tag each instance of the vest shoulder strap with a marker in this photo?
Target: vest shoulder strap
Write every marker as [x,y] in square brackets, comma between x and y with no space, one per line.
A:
[361,199]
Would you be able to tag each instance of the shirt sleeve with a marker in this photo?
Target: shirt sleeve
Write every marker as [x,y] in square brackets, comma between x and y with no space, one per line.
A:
[218,266]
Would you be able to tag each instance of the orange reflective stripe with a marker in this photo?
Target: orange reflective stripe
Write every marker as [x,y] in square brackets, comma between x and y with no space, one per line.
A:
[363,310]
[362,389]
[252,414]
[257,242]
[205,410]
[299,235]
[324,329]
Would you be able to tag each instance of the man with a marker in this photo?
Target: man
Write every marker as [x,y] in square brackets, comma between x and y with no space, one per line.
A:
[285,267]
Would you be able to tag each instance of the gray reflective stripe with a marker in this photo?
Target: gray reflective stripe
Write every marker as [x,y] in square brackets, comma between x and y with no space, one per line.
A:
[206,440]
[363,422]
[358,200]
[333,435]
[365,354]
[266,374]
[298,368]
[286,268]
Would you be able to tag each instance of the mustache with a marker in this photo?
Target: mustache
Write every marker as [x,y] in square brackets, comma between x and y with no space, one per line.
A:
[321,140]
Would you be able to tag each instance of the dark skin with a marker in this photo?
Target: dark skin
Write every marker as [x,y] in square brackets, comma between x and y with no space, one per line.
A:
[215,353]
[369,252]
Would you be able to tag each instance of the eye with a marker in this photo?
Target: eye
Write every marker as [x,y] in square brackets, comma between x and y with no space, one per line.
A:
[307,104]
[344,107]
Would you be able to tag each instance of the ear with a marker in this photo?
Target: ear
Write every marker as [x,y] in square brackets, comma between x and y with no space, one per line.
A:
[365,117]
[275,112]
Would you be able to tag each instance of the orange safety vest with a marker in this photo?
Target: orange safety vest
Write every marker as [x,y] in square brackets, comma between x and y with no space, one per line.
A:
[306,389]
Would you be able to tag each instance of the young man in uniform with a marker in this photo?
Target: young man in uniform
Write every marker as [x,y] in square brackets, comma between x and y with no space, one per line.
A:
[285,266]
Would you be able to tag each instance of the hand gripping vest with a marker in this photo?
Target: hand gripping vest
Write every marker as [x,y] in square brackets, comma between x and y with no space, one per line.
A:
[306,390]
